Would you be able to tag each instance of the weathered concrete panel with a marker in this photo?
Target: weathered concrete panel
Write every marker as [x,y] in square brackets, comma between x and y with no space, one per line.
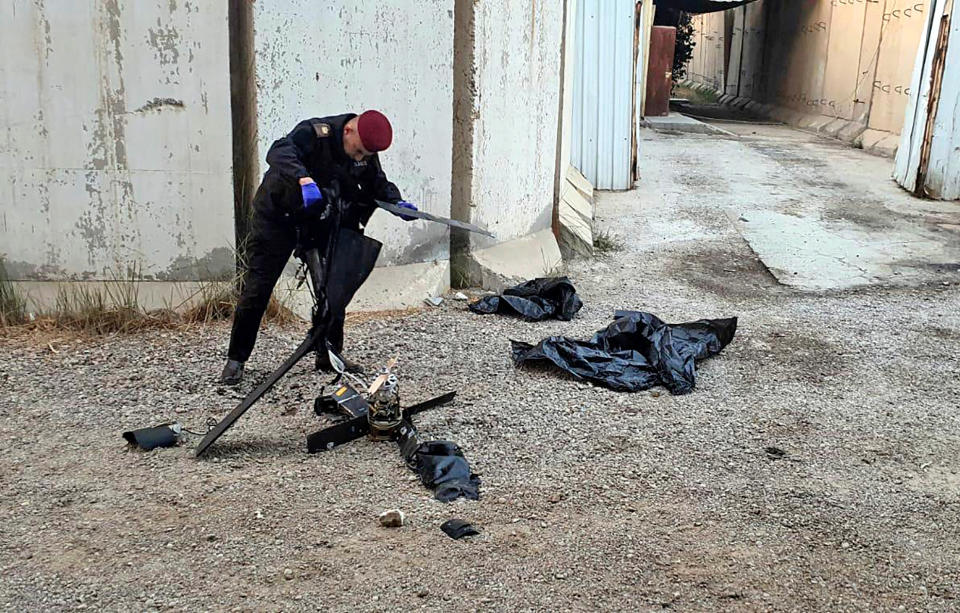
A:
[395,56]
[850,60]
[517,72]
[116,124]
[843,60]
[903,24]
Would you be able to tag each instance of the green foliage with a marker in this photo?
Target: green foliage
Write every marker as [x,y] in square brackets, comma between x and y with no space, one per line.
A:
[683,50]
[12,304]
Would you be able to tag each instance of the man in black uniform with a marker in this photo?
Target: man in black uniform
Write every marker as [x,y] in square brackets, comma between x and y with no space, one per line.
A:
[319,161]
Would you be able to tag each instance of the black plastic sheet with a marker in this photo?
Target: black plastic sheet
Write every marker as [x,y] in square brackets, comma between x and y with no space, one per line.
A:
[443,468]
[636,352]
[458,528]
[534,300]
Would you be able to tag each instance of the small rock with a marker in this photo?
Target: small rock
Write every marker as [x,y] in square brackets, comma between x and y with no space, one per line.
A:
[434,301]
[460,296]
[423,592]
[288,573]
[391,519]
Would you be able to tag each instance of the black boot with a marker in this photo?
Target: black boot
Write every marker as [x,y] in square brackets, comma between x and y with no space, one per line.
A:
[232,373]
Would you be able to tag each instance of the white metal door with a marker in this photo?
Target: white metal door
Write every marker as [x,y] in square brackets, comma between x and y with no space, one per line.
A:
[603,92]
[927,161]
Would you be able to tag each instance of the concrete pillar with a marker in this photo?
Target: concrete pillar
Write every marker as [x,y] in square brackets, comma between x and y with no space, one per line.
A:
[507,76]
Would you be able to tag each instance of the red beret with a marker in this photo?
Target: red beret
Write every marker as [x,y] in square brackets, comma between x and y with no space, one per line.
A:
[374,130]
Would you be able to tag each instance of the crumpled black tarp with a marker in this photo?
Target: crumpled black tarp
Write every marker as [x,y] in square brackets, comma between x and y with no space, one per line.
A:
[534,300]
[636,352]
[443,468]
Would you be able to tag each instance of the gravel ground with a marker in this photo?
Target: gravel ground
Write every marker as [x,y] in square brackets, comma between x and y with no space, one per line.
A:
[591,499]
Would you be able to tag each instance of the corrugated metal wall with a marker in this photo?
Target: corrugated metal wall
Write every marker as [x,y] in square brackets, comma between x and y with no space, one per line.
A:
[603,92]
[927,161]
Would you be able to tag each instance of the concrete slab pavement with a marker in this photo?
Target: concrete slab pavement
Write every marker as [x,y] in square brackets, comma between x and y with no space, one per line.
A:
[819,215]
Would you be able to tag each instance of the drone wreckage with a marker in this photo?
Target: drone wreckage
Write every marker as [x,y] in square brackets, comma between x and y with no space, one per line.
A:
[335,262]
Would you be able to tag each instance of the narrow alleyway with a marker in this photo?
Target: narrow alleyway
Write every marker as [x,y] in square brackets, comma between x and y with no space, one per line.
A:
[814,467]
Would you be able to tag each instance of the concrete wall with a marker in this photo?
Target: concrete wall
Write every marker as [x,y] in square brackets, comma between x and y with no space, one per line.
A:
[315,59]
[833,59]
[516,109]
[706,64]
[115,139]
[508,105]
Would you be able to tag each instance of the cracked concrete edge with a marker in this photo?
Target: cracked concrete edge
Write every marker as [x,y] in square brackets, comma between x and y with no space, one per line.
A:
[678,122]
[834,127]
[577,210]
[388,288]
[580,182]
[851,133]
[509,263]
[879,143]
[576,224]
[815,123]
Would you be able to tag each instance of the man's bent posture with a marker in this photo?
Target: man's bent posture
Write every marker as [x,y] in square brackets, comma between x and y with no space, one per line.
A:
[320,160]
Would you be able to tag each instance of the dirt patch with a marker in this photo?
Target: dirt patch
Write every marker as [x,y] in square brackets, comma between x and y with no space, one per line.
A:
[862,213]
[812,360]
[725,272]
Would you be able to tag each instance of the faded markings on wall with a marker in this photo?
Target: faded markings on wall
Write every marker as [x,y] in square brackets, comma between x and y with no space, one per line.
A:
[796,70]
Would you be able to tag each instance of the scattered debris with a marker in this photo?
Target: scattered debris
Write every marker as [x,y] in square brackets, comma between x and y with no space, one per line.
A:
[434,301]
[458,528]
[775,452]
[344,261]
[164,435]
[536,300]
[635,352]
[288,573]
[461,296]
[441,465]
[394,518]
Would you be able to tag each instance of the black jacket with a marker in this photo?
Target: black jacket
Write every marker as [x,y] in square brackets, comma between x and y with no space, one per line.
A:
[315,149]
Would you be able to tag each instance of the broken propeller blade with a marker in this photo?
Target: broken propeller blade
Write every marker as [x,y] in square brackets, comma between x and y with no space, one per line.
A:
[305,347]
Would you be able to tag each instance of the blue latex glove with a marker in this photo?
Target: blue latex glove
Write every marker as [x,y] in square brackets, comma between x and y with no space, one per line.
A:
[406,205]
[311,194]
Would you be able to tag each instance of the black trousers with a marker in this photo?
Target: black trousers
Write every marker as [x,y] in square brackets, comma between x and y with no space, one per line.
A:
[270,243]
